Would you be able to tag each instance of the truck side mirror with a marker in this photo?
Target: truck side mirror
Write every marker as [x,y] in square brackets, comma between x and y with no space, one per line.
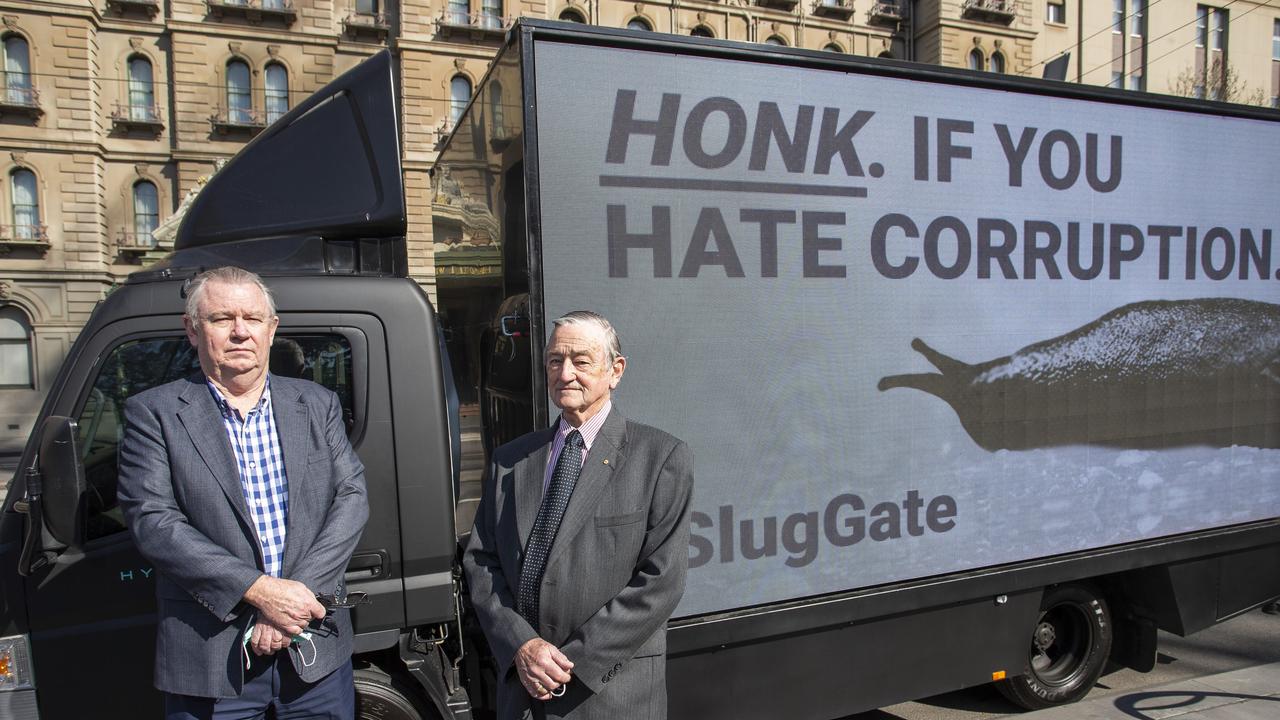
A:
[62,475]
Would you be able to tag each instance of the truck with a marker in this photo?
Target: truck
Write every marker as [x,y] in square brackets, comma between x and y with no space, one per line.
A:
[981,372]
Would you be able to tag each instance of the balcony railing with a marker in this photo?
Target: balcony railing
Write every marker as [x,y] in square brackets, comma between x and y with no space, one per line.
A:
[1001,11]
[885,11]
[780,4]
[482,22]
[842,9]
[20,99]
[254,10]
[13,237]
[360,23]
[237,120]
[124,7]
[138,117]
[132,242]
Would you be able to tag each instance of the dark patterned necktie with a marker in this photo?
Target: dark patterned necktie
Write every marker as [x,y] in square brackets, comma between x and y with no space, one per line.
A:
[550,513]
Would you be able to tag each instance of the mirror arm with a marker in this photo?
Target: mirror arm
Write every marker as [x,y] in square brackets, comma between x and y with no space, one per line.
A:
[33,555]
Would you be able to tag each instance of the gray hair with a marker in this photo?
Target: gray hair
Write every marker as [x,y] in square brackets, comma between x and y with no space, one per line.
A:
[230,275]
[585,317]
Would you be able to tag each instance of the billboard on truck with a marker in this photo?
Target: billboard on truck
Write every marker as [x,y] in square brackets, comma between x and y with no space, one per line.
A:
[912,328]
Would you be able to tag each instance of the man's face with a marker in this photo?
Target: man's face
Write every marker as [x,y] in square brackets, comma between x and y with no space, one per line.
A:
[232,330]
[579,374]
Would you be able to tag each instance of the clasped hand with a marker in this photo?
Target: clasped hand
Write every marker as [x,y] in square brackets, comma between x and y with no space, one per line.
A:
[287,605]
[542,668]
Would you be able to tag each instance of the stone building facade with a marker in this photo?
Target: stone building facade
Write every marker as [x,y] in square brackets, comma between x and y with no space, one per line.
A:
[111,111]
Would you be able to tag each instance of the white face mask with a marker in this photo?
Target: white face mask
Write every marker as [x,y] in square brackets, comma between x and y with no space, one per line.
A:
[293,644]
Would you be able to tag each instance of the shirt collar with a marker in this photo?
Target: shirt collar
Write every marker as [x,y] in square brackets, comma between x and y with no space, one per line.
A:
[590,429]
[225,408]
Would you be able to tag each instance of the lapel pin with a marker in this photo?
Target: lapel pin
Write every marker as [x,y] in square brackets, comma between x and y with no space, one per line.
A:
[606,461]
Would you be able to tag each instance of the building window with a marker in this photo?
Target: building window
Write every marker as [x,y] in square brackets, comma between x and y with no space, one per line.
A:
[832,47]
[142,96]
[1117,79]
[146,212]
[572,16]
[702,31]
[366,7]
[459,12]
[1117,16]
[277,94]
[491,14]
[1137,20]
[1202,26]
[775,40]
[1275,41]
[26,205]
[239,101]
[495,103]
[997,62]
[1056,12]
[639,24]
[15,349]
[976,61]
[17,71]
[459,96]
[1219,29]
[1137,82]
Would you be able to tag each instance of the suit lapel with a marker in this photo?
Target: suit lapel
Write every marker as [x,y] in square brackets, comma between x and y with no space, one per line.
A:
[606,454]
[203,423]
[529,474]
[292,428]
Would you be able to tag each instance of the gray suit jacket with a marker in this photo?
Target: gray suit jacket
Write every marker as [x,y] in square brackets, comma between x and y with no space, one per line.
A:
[181,495]
[613,577]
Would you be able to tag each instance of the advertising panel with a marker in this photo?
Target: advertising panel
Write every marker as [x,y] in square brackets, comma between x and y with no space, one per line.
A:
[911,328]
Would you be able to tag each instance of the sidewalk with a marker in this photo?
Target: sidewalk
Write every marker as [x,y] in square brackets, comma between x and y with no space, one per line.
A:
[1248,694]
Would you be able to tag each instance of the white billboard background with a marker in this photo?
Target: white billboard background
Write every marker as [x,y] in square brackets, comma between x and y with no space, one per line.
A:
[773,380]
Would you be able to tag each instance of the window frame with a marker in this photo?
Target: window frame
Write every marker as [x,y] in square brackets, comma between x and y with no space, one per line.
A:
[1056,7]
[236,113]
[458,107]
[976,60]
[271,95]
[29,342]
[138,231]
[33,208]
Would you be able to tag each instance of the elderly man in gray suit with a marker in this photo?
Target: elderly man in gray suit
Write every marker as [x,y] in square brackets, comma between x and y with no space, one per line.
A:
[241,489]
[581,544]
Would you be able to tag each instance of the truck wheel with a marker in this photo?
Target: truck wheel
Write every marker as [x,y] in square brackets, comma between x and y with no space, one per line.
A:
[1069,649]
[380,696]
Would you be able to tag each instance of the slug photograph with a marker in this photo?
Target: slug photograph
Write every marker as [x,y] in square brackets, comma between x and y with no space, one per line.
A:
[981,373]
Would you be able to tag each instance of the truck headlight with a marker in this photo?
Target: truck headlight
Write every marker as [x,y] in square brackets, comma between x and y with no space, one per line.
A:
[15,664]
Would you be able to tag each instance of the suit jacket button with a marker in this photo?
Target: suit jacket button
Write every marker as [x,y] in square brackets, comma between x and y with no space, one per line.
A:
[607,677]
[617,667]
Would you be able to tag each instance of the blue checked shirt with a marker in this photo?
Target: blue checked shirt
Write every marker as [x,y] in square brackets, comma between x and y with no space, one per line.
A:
[262,478]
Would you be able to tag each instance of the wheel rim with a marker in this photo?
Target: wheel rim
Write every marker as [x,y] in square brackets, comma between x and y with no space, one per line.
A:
[1060,644]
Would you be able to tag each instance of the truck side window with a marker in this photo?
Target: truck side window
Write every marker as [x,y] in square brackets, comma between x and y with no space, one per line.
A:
[138,365]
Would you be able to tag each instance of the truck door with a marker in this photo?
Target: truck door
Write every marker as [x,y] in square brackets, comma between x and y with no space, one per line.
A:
[91,611]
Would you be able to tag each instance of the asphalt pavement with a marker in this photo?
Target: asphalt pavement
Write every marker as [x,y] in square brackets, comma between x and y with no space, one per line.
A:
[1251,693]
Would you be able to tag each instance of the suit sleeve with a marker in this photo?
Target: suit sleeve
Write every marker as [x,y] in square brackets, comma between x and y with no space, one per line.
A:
[322,568]
[614,633]
[493,600]
[216,578]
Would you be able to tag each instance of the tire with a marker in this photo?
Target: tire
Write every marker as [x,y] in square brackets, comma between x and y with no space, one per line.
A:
[380,696]
[1070,645]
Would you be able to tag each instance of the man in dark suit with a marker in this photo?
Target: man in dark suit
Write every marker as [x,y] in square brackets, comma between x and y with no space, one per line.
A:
[241,489]
[581,544]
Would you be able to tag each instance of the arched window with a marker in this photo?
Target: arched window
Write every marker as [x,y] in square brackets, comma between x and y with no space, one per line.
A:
[26,205]
[491,14]
[459,12]
[142,98]
[775,40]
[15,349]
[639,24]
[832,47]
[277,85]
[997,62]
[367,7]
[239,101]
[976,61]
[495,104]
[572,15]
[146,211]
[459,96]
[702,31]
[17,71]
[887,54]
